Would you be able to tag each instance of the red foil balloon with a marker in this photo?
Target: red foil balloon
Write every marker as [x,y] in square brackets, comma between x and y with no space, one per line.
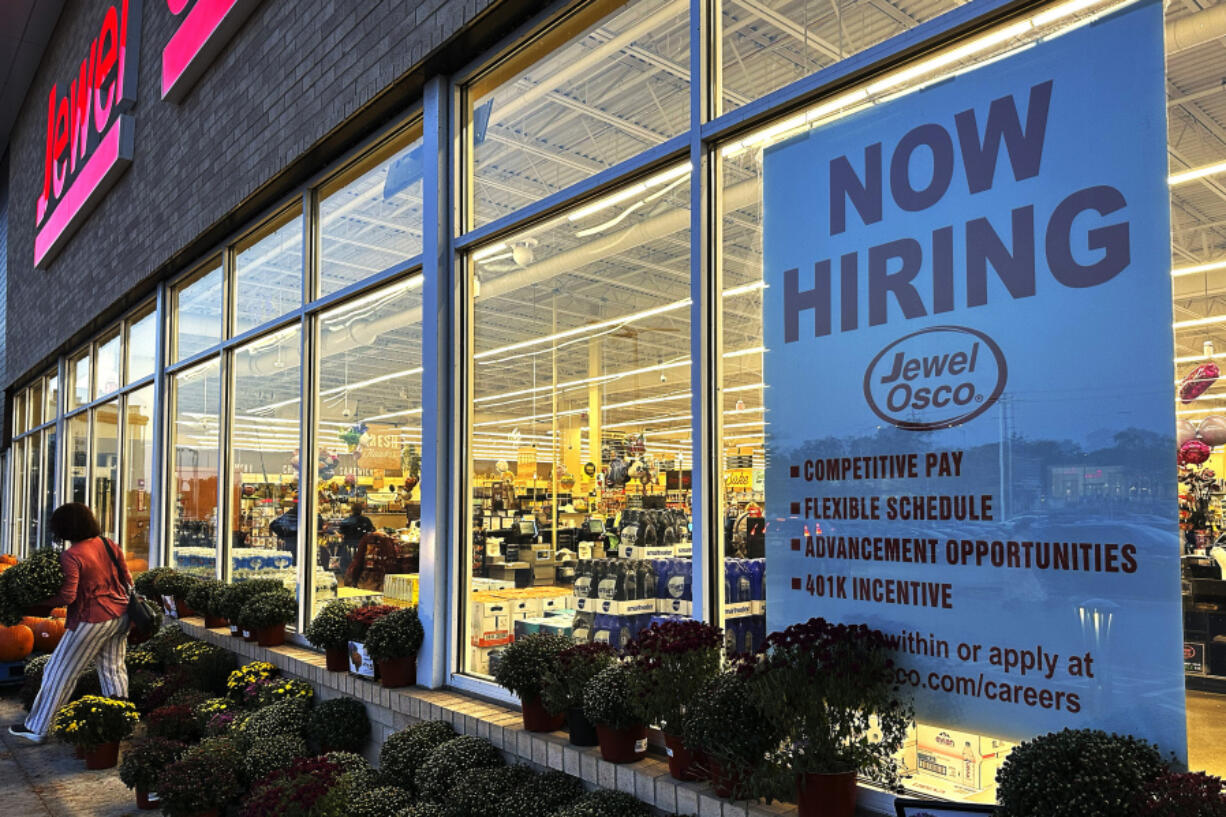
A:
[1197,381]
[1194,452]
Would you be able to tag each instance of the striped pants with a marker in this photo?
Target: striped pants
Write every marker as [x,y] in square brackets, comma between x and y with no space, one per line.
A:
[106,641]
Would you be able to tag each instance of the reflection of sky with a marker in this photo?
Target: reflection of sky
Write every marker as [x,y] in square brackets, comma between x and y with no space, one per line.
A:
[1084,364]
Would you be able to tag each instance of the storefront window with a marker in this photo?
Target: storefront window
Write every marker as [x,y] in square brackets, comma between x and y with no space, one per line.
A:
[33,489]
[193,447]
[1198,271]
[78,377]
[197,310]
[265,431]
[368,460]
[268,272]
[138,472]
[613,84]
[34,403]
[19,413]
[580,423]
[78,458]
[106,365]
[766,46]
[371,217]
[142,346]
[53,396]
[18,465]
[105,455]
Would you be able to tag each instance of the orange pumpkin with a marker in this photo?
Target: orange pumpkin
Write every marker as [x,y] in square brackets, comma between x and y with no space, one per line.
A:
[137,566]
[31,621]
[16,642]
[59,612]
[4,566]
[8,559]
[47,634]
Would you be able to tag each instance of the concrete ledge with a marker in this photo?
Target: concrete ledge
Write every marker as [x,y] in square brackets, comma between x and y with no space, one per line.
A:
[391,710]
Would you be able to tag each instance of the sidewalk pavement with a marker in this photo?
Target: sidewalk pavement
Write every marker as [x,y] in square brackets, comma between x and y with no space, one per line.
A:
[48,781]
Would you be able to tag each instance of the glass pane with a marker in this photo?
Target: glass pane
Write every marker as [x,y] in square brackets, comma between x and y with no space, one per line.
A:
[369,438]
[33,492]
[21,479]
[374,221]
[107,363]
[193,469]
[197,308]
[49,474]
[34,402]
[20,420]
[609,86]
[53,396]
[138,473]
[78,374]
[1198,233]
[268,274]
[105,454]
[142,346]
[78,458]
[766,46]
[266,427]
[580,364]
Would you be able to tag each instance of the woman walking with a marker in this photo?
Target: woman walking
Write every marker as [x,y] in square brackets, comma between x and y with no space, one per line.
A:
[95,590]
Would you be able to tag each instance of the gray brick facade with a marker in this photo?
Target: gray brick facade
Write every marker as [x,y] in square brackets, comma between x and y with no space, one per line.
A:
[300,83]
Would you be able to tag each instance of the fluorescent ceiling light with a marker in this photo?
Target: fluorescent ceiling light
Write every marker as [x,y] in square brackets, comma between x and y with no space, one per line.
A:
[1199,322]
[1195,173]
[626,193]
[1212,265]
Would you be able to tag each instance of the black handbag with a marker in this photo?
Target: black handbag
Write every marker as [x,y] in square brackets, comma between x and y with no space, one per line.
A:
[142,619]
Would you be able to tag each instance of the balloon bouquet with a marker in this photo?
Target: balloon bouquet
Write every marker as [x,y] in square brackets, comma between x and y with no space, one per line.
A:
[1196,442]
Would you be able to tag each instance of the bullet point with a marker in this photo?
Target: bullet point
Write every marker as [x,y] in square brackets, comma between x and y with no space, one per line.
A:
[795,544]
[795,584]
[795,471]
[795,508]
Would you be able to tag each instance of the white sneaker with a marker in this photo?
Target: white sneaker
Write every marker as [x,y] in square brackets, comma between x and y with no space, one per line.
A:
[19,730]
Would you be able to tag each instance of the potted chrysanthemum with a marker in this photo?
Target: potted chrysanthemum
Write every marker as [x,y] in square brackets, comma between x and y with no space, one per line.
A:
[96,725]
[522,671]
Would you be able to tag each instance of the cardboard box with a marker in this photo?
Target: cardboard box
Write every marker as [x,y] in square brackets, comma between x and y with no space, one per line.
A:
[537,554]
[525,606]
[742,609]
[544,576]
[963,759]
[674,607]
[489,622]
[659,552]
[614,608]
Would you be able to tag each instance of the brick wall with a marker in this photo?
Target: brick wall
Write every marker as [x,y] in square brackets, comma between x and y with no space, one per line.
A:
[271,109]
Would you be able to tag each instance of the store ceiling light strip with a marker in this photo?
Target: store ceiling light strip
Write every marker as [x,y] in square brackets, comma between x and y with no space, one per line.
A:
[1185,176]
[627,193]
[609,324]
[1208,267]
[848,103]
[1199,322]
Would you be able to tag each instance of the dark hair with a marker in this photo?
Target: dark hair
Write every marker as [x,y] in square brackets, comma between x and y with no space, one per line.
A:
[357,508]
[73,522]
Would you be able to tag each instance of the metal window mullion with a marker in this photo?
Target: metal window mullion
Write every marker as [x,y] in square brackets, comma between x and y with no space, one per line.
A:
[704,377]
[437,501]
[225,456]
[158,494]
[308,391]
[308,544]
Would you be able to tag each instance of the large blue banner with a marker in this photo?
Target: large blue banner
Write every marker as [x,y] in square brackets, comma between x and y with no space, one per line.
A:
[970,405]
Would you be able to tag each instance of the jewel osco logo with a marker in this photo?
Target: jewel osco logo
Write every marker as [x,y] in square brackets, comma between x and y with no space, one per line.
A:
[937,377]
